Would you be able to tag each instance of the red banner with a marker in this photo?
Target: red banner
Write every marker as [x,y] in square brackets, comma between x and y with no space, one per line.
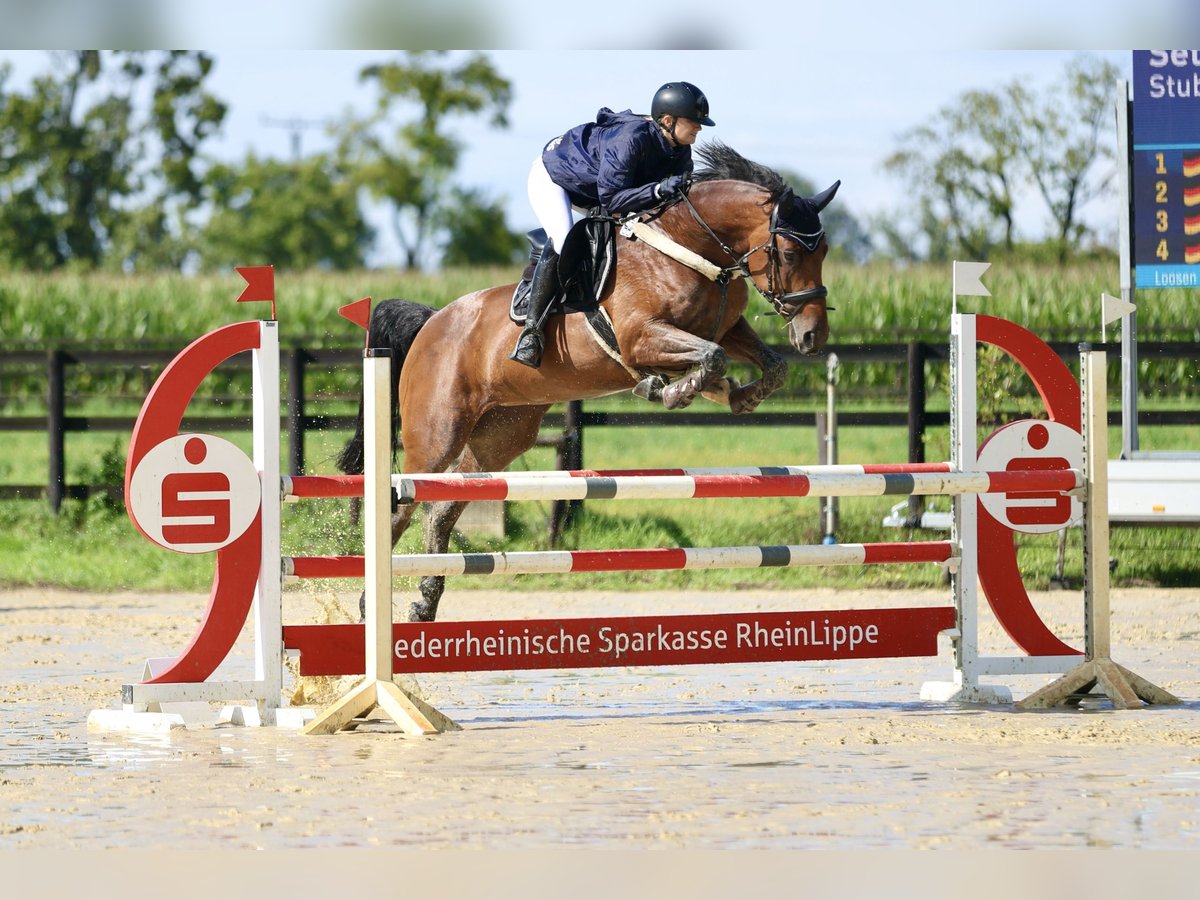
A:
[512,644]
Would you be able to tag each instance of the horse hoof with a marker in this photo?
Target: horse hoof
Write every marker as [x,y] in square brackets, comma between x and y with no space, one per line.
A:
[650,388]
[740,406]
[676,397]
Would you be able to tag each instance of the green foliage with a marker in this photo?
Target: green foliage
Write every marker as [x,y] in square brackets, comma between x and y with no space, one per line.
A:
[408,162]
[109,468]
[294,215]
[78,178]
[1060,150]
[966,165]
[476,231]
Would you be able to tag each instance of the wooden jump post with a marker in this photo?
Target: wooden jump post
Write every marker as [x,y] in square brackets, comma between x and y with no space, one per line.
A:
[377,689]
[1125,689]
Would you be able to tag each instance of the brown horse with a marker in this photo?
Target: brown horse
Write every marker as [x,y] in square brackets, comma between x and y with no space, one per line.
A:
[461,398]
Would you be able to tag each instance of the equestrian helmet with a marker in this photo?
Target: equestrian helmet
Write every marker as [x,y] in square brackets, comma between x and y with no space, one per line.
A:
[682,100]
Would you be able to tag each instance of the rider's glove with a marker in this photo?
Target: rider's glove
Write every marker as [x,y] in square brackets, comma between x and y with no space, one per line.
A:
[671,188]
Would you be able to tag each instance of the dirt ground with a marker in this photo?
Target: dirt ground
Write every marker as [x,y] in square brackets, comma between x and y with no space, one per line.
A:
[780,756]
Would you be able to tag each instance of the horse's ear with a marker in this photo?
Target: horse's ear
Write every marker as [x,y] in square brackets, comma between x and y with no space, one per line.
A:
[821,200]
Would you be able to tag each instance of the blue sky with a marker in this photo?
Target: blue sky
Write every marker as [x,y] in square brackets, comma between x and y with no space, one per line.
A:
[840,122]
[826,113]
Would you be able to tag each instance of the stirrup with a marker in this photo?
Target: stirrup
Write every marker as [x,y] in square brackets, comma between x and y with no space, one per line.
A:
[529,349]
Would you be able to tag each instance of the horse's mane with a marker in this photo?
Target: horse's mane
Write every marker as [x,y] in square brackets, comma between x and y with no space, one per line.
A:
[723,162]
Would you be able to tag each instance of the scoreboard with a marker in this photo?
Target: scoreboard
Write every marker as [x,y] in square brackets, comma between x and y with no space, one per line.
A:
[1165,163]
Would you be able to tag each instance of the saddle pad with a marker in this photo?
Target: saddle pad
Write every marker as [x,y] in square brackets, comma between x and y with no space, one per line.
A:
[585,266]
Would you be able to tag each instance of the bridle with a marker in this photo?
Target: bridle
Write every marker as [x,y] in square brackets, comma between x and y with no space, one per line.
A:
[787,304]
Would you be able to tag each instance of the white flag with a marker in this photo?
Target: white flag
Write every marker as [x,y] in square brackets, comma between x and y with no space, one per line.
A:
[1115,307]
[966,279]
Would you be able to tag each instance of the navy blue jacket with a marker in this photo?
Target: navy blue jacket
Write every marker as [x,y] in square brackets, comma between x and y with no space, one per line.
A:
[614,162]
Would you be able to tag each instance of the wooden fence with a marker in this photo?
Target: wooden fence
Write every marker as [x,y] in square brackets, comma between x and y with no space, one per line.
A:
[563,430]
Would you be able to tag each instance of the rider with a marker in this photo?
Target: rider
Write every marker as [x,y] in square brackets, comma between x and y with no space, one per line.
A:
[623,162]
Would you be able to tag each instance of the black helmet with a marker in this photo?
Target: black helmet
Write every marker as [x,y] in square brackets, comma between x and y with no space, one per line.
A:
[681,99]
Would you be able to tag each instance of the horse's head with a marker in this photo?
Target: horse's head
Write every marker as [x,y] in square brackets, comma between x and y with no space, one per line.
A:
[783,255]
[794,249]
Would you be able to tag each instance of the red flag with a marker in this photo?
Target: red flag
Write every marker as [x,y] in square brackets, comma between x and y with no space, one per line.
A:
[260,285]
[358,312]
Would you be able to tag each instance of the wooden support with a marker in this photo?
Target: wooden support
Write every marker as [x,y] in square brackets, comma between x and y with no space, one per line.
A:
[377,690]
[1125,689]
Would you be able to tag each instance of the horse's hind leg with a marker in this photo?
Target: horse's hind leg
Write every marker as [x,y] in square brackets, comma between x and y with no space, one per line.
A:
[439,524]
[500,436]
[402,514]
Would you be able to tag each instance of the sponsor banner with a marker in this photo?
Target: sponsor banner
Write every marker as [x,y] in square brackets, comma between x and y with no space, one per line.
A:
[512,644]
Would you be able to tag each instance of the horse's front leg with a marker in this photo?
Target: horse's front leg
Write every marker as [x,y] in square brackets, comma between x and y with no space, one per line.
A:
[661,346]
[742,343]
[681,393]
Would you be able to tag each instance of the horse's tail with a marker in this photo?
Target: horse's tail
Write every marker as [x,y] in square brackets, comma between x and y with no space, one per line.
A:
[394,325]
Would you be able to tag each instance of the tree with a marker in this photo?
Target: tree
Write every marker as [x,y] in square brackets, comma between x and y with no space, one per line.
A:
[966,167]
[76,179]
[476,231]
[408,164]
[962,169]
[1060,141]
[295,215]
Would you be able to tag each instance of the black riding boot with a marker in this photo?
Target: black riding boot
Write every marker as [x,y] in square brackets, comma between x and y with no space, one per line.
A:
[531,343]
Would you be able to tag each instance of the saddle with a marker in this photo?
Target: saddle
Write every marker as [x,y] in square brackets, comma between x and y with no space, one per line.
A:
[585,264]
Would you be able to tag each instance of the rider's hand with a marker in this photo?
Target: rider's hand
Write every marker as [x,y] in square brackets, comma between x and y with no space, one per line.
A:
[671,187]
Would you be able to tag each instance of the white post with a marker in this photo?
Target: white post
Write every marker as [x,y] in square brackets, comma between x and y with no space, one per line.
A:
[963,453]
[964,529]
[377,689]
[1126,689]
[1095,524]
[268,613]
[377,518]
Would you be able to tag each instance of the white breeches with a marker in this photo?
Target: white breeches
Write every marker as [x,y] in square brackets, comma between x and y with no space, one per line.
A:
[550,204]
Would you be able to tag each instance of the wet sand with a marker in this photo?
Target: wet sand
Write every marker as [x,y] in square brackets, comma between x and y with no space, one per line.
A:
[778,756]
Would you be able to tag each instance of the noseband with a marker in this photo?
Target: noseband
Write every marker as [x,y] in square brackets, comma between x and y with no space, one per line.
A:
[787,304]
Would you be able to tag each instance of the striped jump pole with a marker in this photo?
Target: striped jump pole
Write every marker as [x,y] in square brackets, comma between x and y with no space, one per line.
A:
[662,559]
[295,487]
[414,488]
[622,486]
